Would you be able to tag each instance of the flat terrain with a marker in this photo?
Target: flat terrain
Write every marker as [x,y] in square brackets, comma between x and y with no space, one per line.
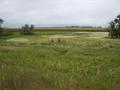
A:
[60,61]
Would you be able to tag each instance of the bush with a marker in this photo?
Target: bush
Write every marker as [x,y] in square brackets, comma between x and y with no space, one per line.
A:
[1,30]
[27,30]
[115,28]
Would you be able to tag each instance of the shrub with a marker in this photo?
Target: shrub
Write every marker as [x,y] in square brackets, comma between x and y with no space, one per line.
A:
[1,29]
[27,30]
[115,28]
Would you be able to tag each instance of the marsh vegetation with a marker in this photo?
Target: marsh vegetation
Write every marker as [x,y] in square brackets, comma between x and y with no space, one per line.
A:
[60,61]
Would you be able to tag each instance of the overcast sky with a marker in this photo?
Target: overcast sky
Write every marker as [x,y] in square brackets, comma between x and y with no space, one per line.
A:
[58,12]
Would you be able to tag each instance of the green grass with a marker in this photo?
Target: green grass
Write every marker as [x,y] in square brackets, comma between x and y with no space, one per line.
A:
[59,61]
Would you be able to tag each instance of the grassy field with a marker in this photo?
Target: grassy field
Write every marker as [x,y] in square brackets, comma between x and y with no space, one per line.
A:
[60,61]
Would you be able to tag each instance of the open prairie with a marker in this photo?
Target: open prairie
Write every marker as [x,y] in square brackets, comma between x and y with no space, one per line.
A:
[60,61]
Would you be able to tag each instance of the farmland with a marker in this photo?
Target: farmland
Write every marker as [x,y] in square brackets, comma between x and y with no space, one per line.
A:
[59,60]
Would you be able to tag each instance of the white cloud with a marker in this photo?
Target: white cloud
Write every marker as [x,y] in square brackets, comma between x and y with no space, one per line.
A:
[58,12]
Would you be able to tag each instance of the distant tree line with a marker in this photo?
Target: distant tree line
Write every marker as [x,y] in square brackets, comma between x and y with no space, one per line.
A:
[83,27]
[115,28]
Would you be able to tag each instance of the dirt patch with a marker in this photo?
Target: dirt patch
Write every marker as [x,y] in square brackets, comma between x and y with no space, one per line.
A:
[58,36]
[61,36]
[96,35]
[21,40]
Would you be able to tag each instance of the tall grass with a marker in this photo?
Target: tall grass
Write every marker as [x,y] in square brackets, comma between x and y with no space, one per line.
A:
[46,63]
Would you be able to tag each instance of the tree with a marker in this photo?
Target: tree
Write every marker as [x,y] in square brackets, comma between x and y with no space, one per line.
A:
[1,22]
[115,27]
[32,27]
[27,30]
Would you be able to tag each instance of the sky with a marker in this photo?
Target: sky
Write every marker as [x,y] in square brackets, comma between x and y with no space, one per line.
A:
[45,13]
